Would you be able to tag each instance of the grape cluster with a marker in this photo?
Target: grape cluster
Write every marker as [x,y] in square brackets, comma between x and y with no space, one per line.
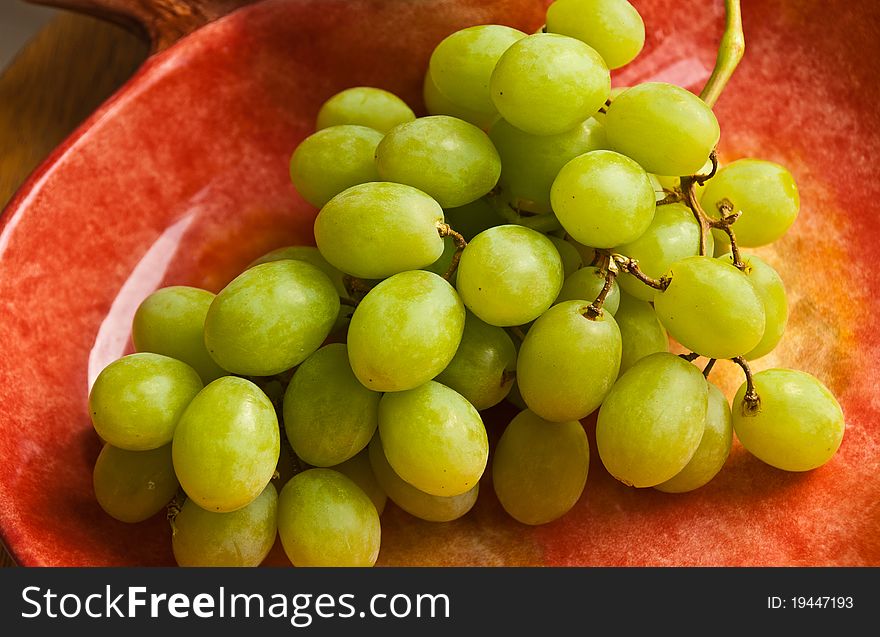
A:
[543,263]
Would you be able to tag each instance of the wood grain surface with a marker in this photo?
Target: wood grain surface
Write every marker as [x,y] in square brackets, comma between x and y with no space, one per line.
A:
[54,83]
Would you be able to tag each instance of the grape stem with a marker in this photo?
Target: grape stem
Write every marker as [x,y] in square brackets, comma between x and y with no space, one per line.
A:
[727,216]
[507,376]
[173,508]
[357,288]
[445,230]
[594,310]
[691,357]
[517,331]
[730,52]
[708,368]
[751,400]
[346,301]
[631,266]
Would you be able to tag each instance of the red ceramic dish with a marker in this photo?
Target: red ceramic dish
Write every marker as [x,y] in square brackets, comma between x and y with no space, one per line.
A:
[181,178]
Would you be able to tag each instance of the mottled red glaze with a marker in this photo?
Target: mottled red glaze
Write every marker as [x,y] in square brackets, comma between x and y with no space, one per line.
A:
[182,178]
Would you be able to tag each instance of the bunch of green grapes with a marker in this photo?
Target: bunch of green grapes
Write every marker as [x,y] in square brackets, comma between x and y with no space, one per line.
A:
[537,238]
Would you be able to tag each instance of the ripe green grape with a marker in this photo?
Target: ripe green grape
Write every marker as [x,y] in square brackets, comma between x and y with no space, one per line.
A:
[312,255]
[771,290]
[463,62]
[567,362]
[711,308]
[763,191]
[530,163]
[603,199]
[641,332]
[451,160]
[712,452]
[673,235]
[666,129]
[136,401]
[359,470]
[378,229]
[333,159]
[328,415]
[364,106]
[539,468]
[571,258]
[546,84]
[798,425]
[482,368]
[588,254]
[325,519]
[613,27]
[239,538]
[271,317]
[171,322]
[133,486]
[472,218]
[226,445]
[434,508]
[585,285]
[438,104]
[434,439]
[651,423]
[509,275]
[405,331]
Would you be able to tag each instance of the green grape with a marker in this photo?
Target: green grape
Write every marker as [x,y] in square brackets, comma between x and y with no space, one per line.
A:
[472,218]
[798,425]
[333,159]
[171,322]
[771,290]
[271,317]
[651,422]
[325,519]
[449,159]
[434,439]
[239,538]
[673,235]
[666,129]
[613,27]
[712,452]
[764,192]
[509,275]
[568,362]
[463,62]
[546,84]
[530,163]
[378,229]
[588,254]
[433,508]
[405,331]
[711,308]
[599,116]
[133,486]
[328,415]
[482,369]
[571,258]
[438,104]
[585,285]
[226,445]
[603,199]
[364,106]
[539,468]
[359,470]
[641,332]
[312,255]
[441,266]
[136,401]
